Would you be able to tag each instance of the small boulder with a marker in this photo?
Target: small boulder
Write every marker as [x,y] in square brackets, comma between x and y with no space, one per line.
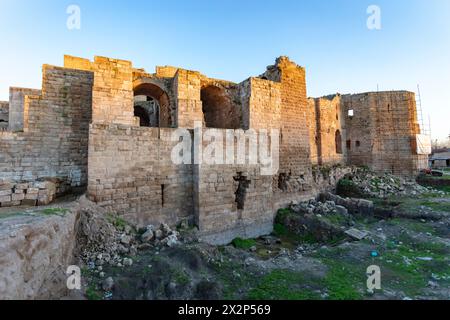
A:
[158,234]
[108,284]
[127,262]
[125,239]
[342,210]
[148,236]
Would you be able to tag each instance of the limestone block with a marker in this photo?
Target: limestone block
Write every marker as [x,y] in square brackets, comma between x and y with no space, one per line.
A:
[4,193]
[5,199]
[18,197]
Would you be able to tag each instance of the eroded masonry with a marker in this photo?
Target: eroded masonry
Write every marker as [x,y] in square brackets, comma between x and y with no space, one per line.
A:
[105,126]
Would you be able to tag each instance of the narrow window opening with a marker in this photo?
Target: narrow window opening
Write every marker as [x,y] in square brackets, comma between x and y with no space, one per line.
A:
[163,187]
[338,142]
[241,192]
[349,144]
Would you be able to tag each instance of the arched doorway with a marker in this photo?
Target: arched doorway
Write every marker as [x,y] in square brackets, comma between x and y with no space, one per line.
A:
[218,109]
[152,106]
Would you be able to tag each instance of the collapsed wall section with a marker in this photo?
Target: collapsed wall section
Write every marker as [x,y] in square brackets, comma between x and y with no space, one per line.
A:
[17,107]
[54,141]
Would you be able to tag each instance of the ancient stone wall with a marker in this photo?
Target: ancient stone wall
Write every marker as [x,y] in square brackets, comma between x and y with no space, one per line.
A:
[187,87]
[131,173]
[294,177]
[55,138]
[327,132]
[112,93]
[232,197]
[4,115]
[381,129]
[16,106]
[265,105]
[221,104]
[35,253]
[129,168]
[232,201]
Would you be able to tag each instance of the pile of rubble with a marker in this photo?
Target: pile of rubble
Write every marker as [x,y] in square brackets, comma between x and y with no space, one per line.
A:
[105,239]
[327,218]
[319,208]
[371,184]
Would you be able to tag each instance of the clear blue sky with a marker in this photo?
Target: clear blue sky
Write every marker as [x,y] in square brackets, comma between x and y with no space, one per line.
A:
[235,39]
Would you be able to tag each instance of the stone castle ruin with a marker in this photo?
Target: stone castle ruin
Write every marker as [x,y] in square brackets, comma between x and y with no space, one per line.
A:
[105,126]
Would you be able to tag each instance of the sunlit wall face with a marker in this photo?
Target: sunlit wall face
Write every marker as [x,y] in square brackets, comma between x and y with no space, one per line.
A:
[235,39]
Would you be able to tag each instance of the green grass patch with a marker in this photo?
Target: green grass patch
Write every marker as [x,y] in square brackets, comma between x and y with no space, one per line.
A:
[93,294]
[245,244]
[336,219]
[412,225]
[233,278]
[343,281]
[282,214]
[283,285]
[181,277]
[442,188]
[280,230]
[11,215]
[403,270]
[436,205]
[117,221]
[53,212]
[347,188]
[412,205]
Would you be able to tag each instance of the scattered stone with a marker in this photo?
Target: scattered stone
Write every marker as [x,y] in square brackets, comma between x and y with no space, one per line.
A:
[125,239]
[356,234]
[108,295]
[127,262]
[249,261]
[170,241]
[425,258]
[342,210]
[148,236]
[108,284]
[158,234]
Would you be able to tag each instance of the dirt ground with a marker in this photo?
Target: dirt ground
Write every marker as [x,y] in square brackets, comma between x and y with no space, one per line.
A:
[413,255]
[412,249]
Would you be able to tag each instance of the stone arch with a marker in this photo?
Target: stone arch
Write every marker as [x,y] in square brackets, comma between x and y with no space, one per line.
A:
[155,102]
[218,109]
[338,142]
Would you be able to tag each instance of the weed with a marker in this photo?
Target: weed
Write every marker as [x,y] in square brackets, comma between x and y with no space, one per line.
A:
[283,285]
[93,294]
[243,243]
[54,212]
